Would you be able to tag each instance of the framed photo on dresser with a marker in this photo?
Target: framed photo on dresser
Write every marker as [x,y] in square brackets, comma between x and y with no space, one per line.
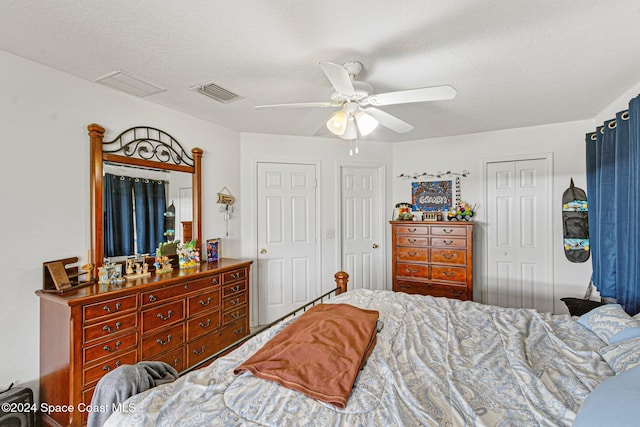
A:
[213,249]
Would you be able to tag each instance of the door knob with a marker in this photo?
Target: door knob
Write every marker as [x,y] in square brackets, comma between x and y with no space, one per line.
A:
[374,246]
[263,251]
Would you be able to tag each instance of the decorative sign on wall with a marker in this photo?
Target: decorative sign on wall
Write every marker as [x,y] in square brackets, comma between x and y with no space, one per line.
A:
[435,195]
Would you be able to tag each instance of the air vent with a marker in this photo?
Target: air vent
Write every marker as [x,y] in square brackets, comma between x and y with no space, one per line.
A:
[129,83]
[216,92]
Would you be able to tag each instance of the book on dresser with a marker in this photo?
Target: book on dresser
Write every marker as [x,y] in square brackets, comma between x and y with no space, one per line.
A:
[433,258]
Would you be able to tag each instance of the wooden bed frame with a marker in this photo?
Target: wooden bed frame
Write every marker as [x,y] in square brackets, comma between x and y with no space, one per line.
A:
[341,278]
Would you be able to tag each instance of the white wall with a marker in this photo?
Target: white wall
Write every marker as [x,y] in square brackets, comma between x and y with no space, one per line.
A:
[44,183]
[564,140]
[329,153]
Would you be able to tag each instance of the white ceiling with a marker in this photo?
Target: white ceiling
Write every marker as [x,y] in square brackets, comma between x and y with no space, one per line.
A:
[514,62]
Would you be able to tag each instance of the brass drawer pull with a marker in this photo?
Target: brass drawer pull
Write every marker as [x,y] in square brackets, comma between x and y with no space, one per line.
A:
[107,308]
[448,256]
[235,301]
[152,298]
[238,331]
[109,349]
[447,242]
[108,328]
[235,315]
[404,286]
[456,293]
[169,313]
[214,281]
[186,287]
[447,230]
[198,353]
[412,240]
[159,341]
[204,304]
[235,288]
[412,254]
[412,230]
[205,325]
[448,273]
[175,361]
[412,270]
[235,275]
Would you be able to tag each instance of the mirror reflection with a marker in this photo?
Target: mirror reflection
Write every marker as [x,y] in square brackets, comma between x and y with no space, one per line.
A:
[142,208]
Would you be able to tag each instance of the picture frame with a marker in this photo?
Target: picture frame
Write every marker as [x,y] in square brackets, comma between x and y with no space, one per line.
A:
[435,195]
[213,249]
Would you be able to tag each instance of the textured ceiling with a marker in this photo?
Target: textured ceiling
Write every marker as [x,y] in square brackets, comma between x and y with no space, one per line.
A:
[513,63]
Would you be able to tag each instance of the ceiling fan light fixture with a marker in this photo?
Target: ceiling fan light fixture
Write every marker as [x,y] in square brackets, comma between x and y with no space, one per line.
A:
[366,123]
[351,130]
[337,123]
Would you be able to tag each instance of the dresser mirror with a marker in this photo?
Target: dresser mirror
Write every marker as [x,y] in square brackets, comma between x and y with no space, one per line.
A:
[141,154]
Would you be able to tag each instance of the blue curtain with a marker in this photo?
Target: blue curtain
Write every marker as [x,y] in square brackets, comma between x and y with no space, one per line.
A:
[118,216]
[613,182]
[150,205]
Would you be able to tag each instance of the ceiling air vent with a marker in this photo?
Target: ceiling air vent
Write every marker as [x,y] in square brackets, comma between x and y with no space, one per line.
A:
[129,83]
[216,92]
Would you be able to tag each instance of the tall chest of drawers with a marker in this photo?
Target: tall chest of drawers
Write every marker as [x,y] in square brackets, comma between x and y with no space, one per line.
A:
[179,318]
[433,258]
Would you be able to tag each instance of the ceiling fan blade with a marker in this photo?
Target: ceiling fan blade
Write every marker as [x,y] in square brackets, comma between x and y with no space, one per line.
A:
[389,121]
[435,93]
[299,105]
[339,78]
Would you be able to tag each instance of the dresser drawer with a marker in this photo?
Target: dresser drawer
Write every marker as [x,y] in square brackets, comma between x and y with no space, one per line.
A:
[432,289]
[449,256]
[107,308]
[234,289]
[411,241]
[203,324]
[412,229]
[162,315]
[159,296]
[412,254]
[204,347]
[110,327]
[206,301]
[234,301]
[450,242]
[234,275]
[109,347]
[412,270]
[174,358]
[236,313]
[450,274]
[444,230]
[96,372]
[162,341]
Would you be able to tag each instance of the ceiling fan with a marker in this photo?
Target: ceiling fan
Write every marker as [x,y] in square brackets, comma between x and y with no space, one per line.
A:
[358,114]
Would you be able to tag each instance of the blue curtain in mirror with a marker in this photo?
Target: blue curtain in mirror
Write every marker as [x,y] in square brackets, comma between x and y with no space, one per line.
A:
[613,180]
[150,205]
[118,215]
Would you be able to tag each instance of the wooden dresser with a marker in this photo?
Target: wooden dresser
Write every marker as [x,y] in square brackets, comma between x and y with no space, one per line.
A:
[180,318]
[433,258]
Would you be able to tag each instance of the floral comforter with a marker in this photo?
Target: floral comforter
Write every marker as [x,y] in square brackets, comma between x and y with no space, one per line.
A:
[437,362]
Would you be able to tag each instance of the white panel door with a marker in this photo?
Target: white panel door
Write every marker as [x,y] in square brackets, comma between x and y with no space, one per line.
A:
[518,235]
[362,254]
[287,244]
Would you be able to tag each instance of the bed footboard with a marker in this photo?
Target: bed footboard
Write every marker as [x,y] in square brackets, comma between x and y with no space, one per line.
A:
[341,278]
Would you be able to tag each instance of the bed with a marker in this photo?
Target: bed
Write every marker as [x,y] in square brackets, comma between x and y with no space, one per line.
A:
[437,361]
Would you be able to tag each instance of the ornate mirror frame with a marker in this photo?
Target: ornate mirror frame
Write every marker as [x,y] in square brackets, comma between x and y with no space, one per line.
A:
[145,147]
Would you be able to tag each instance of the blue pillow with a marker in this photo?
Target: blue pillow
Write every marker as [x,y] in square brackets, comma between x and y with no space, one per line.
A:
[611,323]
[614,402]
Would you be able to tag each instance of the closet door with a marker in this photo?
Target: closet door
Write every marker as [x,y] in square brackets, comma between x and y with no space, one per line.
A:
[518,234]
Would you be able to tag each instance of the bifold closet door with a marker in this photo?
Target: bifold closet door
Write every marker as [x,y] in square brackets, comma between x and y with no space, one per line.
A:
[518,234]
